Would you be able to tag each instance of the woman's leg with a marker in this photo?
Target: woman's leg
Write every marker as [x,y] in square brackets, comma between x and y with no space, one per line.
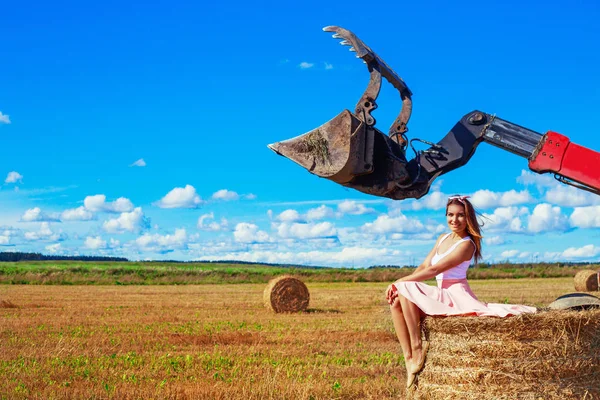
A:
[412,317]
[401,329]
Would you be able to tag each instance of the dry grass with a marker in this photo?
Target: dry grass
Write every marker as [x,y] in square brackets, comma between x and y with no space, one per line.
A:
[7,304]
[211,341]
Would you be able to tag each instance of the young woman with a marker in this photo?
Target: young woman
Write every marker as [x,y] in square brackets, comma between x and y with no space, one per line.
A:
[411,300]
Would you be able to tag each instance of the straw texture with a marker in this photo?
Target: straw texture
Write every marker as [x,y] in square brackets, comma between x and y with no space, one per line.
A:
[586,281]
[548,355]
[286,294]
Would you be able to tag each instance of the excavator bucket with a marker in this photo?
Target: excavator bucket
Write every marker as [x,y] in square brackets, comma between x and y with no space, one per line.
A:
[340,149]
[348,149]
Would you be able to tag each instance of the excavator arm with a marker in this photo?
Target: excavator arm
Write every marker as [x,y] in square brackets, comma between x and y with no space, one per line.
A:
[351,151]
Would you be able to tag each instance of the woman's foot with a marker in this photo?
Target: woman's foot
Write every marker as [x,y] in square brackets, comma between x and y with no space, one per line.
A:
[418,360]
[410,376]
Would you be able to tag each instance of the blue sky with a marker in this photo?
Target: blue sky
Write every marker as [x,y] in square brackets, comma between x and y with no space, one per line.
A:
[140,130]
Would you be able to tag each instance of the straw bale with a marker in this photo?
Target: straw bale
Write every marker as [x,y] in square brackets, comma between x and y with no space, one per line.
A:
[286,294]
[548,355]
[586,281]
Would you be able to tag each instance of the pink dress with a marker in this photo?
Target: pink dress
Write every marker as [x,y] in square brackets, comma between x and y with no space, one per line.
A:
[453,295]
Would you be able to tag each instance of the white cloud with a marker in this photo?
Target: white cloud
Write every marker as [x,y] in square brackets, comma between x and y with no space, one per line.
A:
[505,219]
[77,214]
[181,198]
[493,241]
[98,203]
[95,243]
[328,66]
[545,217]
[163,243]
[32,214]
[318,213]
[558,193]
[203,218]
[249,233]
[568,196]
[509,254]
[306,65]
[435,200]
[289,216]
[126,222]
[250,196]
[306,231]
[524,254]
[4,119]
[582,252]
[13,177]
[347,256]
[206,222]
[585,217]
[139,163]
[225,195]
[541,181]
[488,199]
[45,233]
[353,208]
[385,224]
[5,236]
[54,248]
[36,214]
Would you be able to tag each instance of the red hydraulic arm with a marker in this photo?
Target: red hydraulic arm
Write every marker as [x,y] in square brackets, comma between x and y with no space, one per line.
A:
[555,153]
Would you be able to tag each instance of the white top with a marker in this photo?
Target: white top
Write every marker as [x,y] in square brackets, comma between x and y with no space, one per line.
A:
[458,272]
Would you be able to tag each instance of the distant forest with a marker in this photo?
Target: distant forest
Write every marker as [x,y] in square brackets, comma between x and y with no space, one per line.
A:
[18,256]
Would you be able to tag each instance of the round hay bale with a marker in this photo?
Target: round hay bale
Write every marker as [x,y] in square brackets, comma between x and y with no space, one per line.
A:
[586,281]
[548,355]
[286,294]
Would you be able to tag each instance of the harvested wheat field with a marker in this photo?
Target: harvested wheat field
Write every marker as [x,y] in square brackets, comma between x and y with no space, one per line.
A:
[212,341]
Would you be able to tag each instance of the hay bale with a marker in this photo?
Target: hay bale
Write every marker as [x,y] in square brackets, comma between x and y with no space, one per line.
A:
[548,355]
[286,294]
[586,281]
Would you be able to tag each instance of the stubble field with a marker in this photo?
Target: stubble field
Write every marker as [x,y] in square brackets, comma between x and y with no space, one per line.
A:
[211,341]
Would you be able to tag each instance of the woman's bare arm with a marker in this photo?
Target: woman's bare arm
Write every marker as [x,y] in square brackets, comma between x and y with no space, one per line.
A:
[390,293]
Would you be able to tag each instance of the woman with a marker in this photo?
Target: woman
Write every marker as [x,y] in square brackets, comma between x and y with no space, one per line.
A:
[410,299]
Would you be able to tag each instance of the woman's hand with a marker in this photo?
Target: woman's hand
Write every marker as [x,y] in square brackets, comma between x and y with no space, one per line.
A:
[391,294]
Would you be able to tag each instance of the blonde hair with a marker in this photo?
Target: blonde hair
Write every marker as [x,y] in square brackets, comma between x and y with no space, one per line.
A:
[473,225]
